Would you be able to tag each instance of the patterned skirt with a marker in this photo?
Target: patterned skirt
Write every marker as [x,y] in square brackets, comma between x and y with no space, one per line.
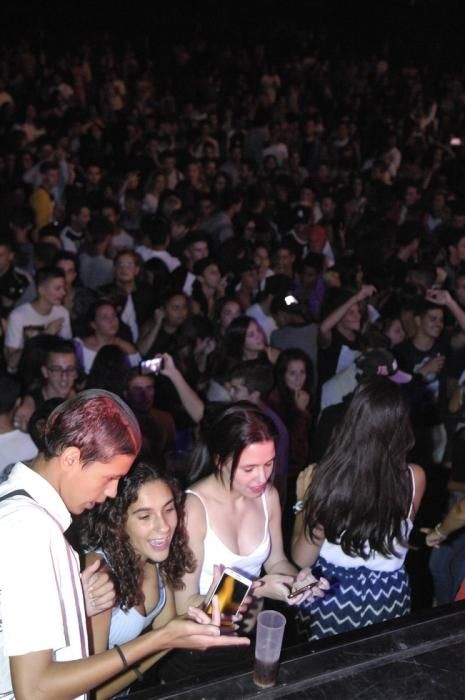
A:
[358,597]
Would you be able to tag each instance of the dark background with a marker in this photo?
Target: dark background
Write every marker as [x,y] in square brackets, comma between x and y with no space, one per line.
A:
[396,29]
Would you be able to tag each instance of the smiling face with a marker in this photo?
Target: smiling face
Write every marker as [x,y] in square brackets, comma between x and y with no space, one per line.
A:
[253,471]
[60,372]
[152,520]
[53,291]
[84,486]
[431,323]
[351,320]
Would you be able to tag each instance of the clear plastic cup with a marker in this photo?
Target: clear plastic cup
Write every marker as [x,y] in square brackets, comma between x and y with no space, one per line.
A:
[270,631]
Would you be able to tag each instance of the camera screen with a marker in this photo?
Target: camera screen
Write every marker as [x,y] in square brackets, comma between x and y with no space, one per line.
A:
[152,366]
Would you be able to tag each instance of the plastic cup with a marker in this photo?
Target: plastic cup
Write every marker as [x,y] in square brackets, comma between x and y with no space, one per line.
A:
[270,631]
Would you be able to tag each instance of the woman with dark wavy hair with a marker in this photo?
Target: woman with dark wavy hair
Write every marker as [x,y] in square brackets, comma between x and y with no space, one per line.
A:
[355,517]
[141,538]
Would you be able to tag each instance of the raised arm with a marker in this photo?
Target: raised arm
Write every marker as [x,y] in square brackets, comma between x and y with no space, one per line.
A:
[443,298]
[149,332]
[190,400]
[282,576]
[326,326]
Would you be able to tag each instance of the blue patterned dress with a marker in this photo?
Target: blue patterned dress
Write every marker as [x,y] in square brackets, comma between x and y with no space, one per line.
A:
[362,592]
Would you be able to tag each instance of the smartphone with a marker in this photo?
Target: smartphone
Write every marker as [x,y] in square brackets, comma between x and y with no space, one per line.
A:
[152,366]
[231,590]
[308,587]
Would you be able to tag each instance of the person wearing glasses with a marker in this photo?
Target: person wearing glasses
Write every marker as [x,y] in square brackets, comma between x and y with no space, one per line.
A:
[59,372]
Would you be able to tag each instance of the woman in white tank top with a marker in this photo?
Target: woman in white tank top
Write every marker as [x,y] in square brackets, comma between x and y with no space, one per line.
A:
[233,514]
[359,504]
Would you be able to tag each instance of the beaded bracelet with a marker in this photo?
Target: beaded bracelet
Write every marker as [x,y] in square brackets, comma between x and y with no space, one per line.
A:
[126,666]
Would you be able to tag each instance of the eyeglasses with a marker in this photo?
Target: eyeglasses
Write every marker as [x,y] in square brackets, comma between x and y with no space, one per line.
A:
[64,371]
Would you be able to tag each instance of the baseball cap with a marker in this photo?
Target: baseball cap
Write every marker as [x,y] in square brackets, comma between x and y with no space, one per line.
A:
[381,363]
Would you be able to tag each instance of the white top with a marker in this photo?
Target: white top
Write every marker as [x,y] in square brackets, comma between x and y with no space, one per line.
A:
[338,386]
[126,625]
[86,356]
[148,253]
[266,323]
[128,316]
[71,240]
[25,315]
[376,561]
[216,552]
[41,600]
[189,283]
[15,445]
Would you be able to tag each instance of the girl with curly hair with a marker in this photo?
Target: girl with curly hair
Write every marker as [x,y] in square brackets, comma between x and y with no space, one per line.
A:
[140,537]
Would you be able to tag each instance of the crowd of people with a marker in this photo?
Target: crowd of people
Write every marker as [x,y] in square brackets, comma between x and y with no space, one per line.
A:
[261,255]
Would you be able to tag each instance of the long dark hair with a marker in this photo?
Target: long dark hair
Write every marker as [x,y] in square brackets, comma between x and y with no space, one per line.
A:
[361,490]
[234,337]
[286,395]
[104,527]
[226,435]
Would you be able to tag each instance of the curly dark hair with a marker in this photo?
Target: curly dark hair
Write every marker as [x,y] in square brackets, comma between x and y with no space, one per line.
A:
[104,527]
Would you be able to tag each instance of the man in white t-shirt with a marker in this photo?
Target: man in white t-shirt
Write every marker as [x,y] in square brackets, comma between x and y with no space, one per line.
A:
[45,315]
[156,241]
[14,444]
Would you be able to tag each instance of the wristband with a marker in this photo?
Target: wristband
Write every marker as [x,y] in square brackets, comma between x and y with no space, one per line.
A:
[298,507]
[126,666]
[438,532]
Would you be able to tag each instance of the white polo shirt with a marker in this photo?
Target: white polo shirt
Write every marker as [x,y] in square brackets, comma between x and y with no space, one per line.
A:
[41,600]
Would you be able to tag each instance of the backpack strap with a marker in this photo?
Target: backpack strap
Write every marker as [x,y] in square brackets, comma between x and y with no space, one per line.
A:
[18,492]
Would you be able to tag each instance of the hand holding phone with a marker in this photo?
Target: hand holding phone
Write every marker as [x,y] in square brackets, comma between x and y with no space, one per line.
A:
[306,586]
[231,590]
[152,366]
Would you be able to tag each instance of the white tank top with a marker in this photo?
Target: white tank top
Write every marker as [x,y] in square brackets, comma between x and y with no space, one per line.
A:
[216,552]
[376,561]
[126,625]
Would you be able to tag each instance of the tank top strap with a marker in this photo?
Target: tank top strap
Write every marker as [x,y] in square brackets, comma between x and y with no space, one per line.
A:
[207,519]
[412,476]
[265,509]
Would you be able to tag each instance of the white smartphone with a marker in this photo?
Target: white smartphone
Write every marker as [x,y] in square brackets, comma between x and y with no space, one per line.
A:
[152,366]
[231,590]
